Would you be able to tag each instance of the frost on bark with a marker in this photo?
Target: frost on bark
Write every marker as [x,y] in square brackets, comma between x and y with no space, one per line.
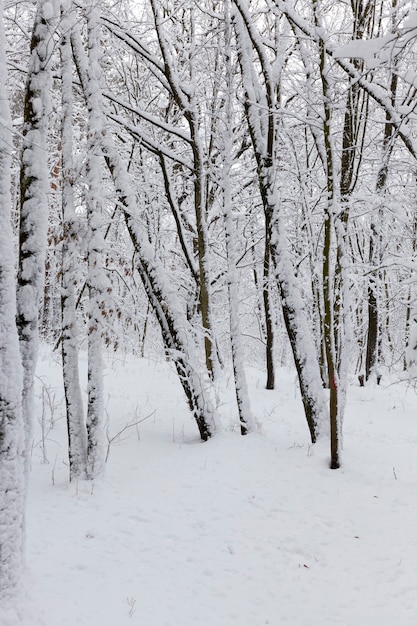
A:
[12,478]
[77,440]
[34,201]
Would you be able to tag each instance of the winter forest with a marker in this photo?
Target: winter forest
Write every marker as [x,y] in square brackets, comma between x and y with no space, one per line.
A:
[221,183]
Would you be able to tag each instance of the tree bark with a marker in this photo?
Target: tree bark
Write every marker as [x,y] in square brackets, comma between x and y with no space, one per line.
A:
[77,438]
[247,423]
[263,133]
[12,475]
[33,203]
[176,331]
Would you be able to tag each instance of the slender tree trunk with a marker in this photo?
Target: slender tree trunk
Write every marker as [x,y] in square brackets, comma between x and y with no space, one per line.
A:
[410,351]
[77,439]
[263,133]
[375,246]
[245,415]
[373,341]
[33,203]
[333,250]
[299,334]
[371,357]
[190,109]
[175,328]
[12,475]
[269,326]
[202,239]
[96,279]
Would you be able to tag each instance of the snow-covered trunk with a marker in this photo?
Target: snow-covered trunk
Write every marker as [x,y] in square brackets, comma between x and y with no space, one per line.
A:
[355,127]
[333,276]
[12,477]
[410,353]
[296,324]
[245,415]
[372,335]
[375,247]
[96,279]
[182,91]
[263,133]
[173,324]
[77,440]
[203,246]
[330,340]
[177,333]
[34,201]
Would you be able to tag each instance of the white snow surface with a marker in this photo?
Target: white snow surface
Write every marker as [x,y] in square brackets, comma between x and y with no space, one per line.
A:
[239,530]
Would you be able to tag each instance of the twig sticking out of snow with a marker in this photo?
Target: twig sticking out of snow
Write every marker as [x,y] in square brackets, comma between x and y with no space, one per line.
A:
[117,436]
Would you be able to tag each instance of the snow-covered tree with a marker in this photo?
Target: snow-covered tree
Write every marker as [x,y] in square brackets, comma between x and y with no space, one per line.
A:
[177,332]
[70,267]
[261,100]
[34,201]
[12,477]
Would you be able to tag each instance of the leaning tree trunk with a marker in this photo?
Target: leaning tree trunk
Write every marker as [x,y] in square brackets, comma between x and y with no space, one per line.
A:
[33,203]
[178,88]
[299,333]
[264,136]
[12,478]
[168,310]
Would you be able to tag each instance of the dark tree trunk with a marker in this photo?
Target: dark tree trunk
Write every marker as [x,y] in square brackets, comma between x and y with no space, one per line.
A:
[269,327]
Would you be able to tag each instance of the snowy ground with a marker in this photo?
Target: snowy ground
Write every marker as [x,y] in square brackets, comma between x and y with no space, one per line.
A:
[247,531]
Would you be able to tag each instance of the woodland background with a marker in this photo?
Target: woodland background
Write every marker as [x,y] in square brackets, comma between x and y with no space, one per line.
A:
[221,182]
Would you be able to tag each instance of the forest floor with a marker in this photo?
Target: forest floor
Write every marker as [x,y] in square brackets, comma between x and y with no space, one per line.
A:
[239,530]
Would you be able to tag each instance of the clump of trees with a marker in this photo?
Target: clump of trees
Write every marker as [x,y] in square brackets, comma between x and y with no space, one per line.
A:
[209,178]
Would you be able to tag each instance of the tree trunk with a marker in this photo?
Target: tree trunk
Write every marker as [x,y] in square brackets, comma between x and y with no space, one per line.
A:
[12,476]
[168,311]
[333,251]
[77,438]
[246,420]
[263,133]
[190,110]
[375,244]
[33,204]
[269,326]
[96,279]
